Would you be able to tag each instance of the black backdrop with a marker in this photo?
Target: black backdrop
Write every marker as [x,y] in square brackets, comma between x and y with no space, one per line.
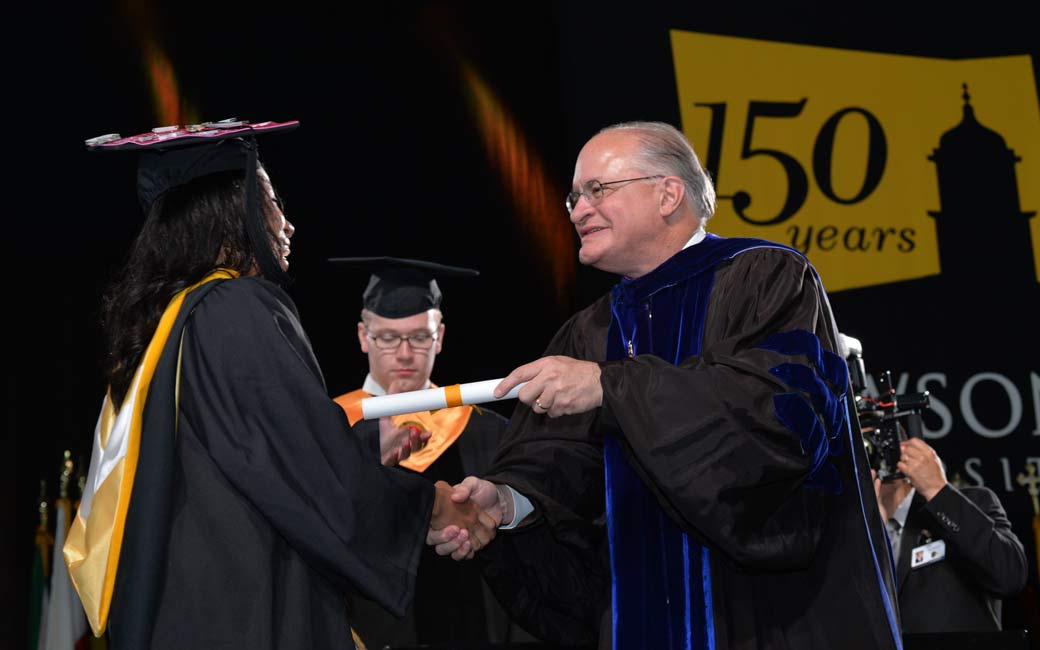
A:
[388,160]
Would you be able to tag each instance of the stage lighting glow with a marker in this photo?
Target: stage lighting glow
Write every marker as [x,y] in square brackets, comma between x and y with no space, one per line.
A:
[535,196]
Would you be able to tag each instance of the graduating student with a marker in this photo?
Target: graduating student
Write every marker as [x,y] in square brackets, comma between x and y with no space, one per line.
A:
[227,506]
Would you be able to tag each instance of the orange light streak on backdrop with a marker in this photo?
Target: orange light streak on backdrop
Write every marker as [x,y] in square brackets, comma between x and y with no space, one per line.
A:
[170,107]
[538,200]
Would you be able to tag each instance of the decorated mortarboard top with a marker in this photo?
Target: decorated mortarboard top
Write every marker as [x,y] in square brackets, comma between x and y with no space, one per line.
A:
[175,155]
[165,137]
[401,287]
[171,156]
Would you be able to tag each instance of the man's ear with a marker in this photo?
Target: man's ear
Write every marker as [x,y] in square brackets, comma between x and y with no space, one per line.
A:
[673,193]
[440,339]
[362,337]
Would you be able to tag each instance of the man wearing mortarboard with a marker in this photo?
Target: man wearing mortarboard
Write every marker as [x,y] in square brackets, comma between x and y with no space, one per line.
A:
[401,330]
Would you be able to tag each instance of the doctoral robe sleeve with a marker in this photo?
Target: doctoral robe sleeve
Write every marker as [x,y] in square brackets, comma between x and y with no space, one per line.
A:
[551,574]
[705,434]
[558,462]
[268,424]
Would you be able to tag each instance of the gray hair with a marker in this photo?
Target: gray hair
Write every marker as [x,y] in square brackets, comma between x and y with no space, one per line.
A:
[664,150]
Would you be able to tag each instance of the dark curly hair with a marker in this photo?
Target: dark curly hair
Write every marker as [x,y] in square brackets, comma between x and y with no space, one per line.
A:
[188,232]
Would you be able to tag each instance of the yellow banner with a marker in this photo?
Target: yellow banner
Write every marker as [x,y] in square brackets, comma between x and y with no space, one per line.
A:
[828,150]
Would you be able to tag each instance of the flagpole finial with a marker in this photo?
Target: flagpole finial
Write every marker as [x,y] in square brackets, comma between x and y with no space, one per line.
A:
[41,503]
[81,477]
[1031,482]
[66,475]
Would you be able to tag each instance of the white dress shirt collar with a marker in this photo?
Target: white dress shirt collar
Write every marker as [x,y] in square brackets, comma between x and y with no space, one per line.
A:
[698,236]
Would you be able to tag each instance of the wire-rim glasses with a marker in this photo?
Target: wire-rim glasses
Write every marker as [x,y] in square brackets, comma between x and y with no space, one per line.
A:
[390,341]
[593,190]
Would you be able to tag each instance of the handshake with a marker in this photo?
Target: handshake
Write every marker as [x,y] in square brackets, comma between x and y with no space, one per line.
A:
[465,517]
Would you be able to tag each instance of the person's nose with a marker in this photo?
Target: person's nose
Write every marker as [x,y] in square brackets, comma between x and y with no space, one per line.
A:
[582,210]
[404,350]
[289,228]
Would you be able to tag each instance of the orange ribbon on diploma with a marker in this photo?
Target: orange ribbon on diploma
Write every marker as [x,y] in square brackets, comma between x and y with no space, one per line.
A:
[430,399]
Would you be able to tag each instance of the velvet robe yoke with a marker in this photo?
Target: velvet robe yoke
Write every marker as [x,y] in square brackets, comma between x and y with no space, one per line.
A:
[741,512]
[255,510]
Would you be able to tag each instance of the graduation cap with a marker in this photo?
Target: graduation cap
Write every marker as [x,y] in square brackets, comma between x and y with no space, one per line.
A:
[172,156]
[401,287]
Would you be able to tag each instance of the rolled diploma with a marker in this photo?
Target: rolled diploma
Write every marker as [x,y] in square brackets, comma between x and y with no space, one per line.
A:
[477,392]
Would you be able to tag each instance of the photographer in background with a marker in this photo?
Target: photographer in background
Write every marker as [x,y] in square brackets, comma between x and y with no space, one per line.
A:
[955,553]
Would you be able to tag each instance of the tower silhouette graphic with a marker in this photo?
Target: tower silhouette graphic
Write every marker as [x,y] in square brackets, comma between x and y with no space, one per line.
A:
[987,284]
[983,235]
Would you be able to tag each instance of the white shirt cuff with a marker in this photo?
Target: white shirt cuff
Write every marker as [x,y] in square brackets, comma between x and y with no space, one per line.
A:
[521,508]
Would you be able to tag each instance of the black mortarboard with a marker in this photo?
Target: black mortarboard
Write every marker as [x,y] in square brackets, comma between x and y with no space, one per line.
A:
[174,155]
[400,287]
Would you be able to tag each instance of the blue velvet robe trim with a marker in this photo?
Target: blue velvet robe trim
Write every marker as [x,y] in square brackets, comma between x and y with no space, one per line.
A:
[830,396]
[826,381]
[661,578]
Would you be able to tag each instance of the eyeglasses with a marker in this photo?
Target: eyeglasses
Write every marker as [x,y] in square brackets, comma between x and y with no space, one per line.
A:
[593,191]
[417,341]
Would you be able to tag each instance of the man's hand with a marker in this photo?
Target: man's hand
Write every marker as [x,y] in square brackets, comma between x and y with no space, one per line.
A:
[462,519]
[397,443]
[492,499]
[556,386]
[921,465]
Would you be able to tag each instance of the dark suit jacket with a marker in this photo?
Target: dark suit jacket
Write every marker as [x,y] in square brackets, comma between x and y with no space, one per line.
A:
[984,561]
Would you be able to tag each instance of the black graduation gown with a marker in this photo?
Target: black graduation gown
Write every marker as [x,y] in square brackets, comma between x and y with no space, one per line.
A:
[452,604]
[791,567]
[276,514]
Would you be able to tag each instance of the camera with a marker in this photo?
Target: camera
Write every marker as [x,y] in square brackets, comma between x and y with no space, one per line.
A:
[885,420]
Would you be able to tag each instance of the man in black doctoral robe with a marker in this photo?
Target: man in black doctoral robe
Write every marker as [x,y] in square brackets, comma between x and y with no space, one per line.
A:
[701,412]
